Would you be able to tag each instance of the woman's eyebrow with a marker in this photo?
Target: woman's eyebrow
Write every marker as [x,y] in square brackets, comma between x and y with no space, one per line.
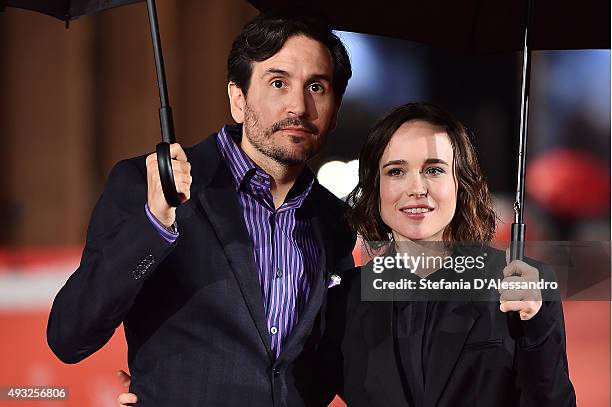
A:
[427,161]
[435,161]
[394,162]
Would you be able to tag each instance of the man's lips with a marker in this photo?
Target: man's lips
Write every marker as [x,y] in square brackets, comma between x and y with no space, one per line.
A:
[294,130]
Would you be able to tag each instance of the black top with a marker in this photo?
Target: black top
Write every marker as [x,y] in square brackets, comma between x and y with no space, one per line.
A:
[414,322]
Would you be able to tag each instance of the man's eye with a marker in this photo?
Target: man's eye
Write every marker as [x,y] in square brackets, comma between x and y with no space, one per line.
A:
[278,84]
[394,172]
[317,88]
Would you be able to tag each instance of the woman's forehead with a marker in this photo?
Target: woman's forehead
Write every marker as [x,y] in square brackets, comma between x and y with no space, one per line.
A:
[417,141]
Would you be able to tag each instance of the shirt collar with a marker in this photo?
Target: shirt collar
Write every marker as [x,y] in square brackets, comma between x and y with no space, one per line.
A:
[244,170]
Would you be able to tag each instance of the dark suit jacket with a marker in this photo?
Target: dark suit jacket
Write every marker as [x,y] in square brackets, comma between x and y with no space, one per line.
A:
[193,312]
[474,359]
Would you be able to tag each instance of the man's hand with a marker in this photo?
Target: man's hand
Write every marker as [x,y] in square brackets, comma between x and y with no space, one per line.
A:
[182,179]
[526,302]
[125,399]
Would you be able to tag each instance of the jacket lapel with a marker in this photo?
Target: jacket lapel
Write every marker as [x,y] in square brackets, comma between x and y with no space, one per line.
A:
[448,341]
[219,200]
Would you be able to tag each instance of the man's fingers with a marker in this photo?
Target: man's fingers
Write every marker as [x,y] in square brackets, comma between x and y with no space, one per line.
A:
[150,158]
[126,399]
[181,167]
[177,153]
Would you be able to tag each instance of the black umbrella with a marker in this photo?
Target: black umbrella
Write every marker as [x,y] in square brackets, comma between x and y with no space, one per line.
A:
[67,10]
[475,26]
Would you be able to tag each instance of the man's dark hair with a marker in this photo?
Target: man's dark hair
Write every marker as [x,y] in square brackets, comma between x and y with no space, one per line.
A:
[265,36]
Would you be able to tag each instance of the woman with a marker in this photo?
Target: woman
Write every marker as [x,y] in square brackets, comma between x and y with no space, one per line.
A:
[419,181]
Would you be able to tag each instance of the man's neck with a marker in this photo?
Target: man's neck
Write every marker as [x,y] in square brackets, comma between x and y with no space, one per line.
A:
[282,176]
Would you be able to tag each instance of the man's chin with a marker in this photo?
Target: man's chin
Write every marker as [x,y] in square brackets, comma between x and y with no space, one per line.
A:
[291,161]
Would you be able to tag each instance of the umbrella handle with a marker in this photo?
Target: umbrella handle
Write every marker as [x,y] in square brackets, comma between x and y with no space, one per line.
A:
[517,245]
[164,164]
[517,252]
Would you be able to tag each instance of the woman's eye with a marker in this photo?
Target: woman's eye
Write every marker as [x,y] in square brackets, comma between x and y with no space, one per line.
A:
[434,171]
[278,84]
[395,172]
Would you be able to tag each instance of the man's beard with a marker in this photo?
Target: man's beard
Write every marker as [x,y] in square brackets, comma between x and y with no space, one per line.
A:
[263,141]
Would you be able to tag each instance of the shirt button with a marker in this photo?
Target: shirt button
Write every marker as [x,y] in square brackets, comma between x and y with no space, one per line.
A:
[279,273]
[274,330]
[259,178]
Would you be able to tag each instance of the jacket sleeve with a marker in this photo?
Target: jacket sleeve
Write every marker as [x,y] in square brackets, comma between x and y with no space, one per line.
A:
[541,360]
[122,249]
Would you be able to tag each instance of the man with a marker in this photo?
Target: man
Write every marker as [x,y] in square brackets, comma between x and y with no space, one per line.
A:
[221,298]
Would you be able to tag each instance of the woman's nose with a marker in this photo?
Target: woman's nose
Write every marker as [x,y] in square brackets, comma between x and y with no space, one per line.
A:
[415,186]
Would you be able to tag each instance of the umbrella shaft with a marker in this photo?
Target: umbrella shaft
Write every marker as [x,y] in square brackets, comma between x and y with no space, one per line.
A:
[157,52]
[165,112]
[526,74]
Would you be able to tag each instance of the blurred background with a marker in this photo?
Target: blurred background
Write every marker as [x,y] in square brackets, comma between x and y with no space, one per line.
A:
[74,102]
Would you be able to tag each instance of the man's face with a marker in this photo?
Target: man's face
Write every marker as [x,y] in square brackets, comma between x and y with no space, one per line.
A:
[290,106]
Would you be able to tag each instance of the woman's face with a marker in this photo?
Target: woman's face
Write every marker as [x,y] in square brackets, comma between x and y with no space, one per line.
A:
[418,191]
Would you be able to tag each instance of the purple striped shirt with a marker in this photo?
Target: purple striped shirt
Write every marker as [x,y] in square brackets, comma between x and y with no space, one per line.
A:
[284,247]
[168,235]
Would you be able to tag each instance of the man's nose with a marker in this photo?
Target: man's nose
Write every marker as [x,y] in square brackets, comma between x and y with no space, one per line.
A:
[297,103]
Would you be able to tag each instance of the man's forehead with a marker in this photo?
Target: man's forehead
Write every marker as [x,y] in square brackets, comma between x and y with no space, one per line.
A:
[298,53]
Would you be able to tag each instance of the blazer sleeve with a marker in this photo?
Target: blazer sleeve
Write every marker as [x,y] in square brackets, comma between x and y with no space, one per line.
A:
[541,362]
[122,249]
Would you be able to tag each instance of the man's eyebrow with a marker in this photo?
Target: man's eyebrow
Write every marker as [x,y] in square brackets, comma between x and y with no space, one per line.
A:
[427,161]
[320,77]
[282,72]
[275,71]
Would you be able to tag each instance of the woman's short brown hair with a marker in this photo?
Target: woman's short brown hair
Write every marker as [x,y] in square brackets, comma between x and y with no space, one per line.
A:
[474,218]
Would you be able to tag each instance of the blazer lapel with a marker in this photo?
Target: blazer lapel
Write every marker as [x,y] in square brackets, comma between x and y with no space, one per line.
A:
[219,200]
[383,376]
[448,342]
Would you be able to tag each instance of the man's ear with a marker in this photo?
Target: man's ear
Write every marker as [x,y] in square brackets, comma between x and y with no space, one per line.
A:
[237,101]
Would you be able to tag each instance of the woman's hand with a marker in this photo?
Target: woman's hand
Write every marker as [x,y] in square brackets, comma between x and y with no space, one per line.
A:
[526,302]
[125,399]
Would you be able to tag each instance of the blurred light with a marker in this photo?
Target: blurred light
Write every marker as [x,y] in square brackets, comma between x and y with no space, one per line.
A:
[383,64]
[339,177]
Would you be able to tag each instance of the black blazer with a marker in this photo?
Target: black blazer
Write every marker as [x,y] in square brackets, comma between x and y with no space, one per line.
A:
[193,312]
[474,360]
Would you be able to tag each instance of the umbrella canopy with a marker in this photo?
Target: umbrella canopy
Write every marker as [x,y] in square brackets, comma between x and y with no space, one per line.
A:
[68,10]
[473,26]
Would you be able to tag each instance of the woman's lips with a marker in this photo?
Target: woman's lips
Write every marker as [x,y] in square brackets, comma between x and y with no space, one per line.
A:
[416,212]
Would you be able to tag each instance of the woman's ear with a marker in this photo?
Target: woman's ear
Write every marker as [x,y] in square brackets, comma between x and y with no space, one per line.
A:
[237,101]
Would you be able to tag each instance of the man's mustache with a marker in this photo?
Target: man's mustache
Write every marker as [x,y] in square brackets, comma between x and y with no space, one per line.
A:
[294,122]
